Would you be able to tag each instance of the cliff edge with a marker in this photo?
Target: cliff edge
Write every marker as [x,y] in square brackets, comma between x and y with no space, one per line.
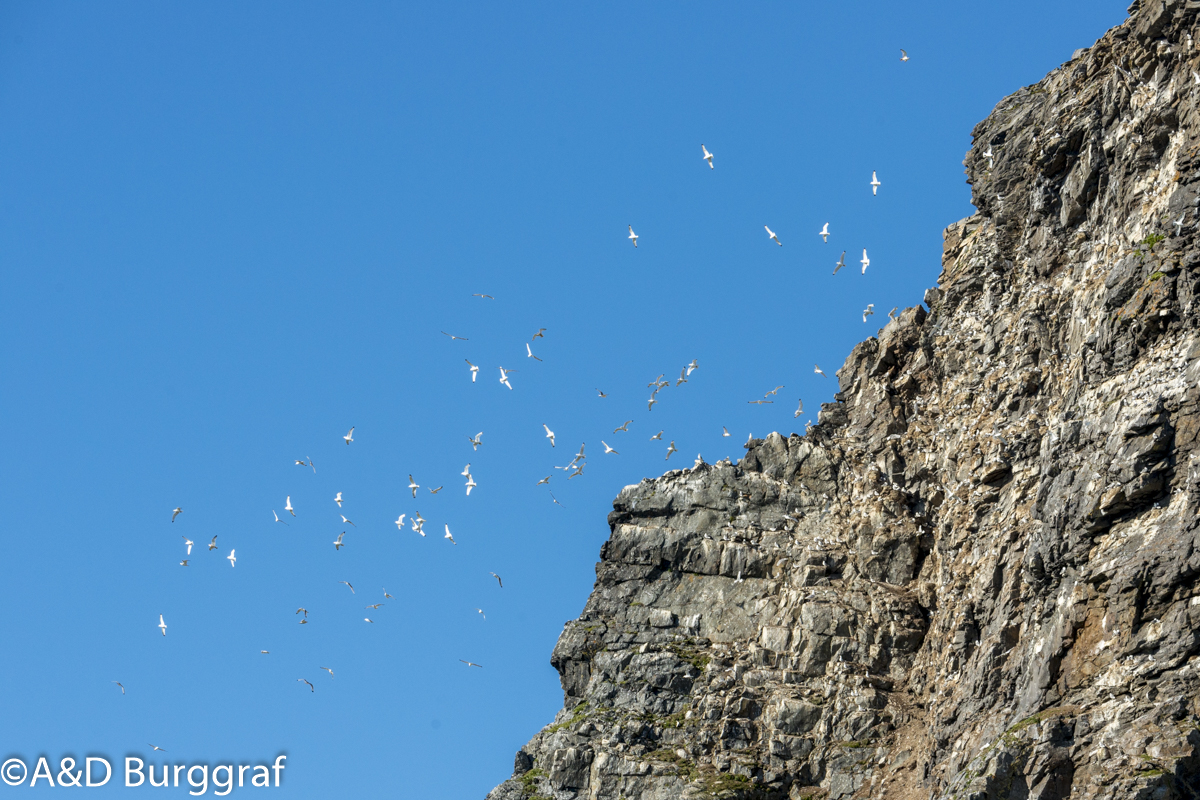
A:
[977,576]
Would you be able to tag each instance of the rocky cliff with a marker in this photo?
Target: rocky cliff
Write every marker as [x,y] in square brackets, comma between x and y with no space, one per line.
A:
[976,577]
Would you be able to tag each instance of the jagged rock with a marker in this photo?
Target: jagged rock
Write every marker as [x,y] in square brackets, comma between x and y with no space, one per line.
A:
[976,577]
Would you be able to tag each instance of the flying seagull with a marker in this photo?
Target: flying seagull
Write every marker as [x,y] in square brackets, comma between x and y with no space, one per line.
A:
[760,402]
[624,427]
[657,436]
[310,686]
[470,484]
[288,507]
[868,311]
[824,232]
[602,394]
[349,437]
[156,747]
[327,669]
[504,376]
[773,391]
[337,543]
[176,513]
[683,373]
[608,449]
[819,371]
[530,353]
[841,263]
[232,558]
[474,370]
[892,313]
[304,611]
[213,544]
[118,683]
[799,409]
[866,262]
[692,367]
[346,521]
[497,577]
[466,473]
[875,184]
[488,296]
[184,563]
[471,664]
[543,480]
[368,619]
[162,625]
[539,334]
[452,336]
[773,237]
[480,610]
[265,652]
[449,536]
[189,543]
[724,431]
[400,522]
[277,519]
[653,400]
[374,606]
[413,485]
[707,155]
[671,449]
[348,586]
[903,54]
[434,491]
[475,440]
[633,236]
[385,594]
[549,434]
[338,499]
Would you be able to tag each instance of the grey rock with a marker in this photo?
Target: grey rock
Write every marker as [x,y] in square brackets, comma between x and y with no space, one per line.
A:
[977,576]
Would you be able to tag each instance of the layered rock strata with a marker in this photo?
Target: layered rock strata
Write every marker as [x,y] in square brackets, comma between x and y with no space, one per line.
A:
[976,577]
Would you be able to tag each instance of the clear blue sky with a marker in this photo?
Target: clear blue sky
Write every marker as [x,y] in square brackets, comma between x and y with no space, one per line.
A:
[228,232]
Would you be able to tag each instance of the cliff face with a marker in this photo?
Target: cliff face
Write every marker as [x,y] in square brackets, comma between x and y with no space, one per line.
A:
[976,577]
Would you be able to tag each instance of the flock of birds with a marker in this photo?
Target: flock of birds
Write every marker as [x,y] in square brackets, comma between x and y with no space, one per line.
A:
[573,468]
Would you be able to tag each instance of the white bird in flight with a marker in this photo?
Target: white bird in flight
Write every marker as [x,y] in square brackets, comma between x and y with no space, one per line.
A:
[310,686]
[474,370]
[232,558]
[504,376]
[657,436]
[470,484]
[475,440]
[288,507]
[824,232]
[156,747]
[633,236]
[338,544]
[671,449]
[213,544]
[480,610]
[539,334]
[549,434]
[327,669]
[176,513]
[497,577]
[819,371]
[624,427]
[724,431]
[608,449]
[189,543]
[453,337]
[400,522]
[692,367]
[118,683]
[868,311]
[277,519]
[799,409]
[162,625]
[892,313]
[338,499]
[841,263]
[530,353]
[413,485]
[707,156]
[466,473]
[773,237]
[348,585]
[543,480]
[875,184]
[903,54]
[349,437]
[471,664]
[866,262]
[184,563]
[346,521]
[449,536]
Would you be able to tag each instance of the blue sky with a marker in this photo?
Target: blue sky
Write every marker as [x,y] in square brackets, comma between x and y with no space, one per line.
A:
[229,232]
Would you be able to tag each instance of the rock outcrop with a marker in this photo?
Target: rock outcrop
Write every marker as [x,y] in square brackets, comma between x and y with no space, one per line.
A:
[976,577]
